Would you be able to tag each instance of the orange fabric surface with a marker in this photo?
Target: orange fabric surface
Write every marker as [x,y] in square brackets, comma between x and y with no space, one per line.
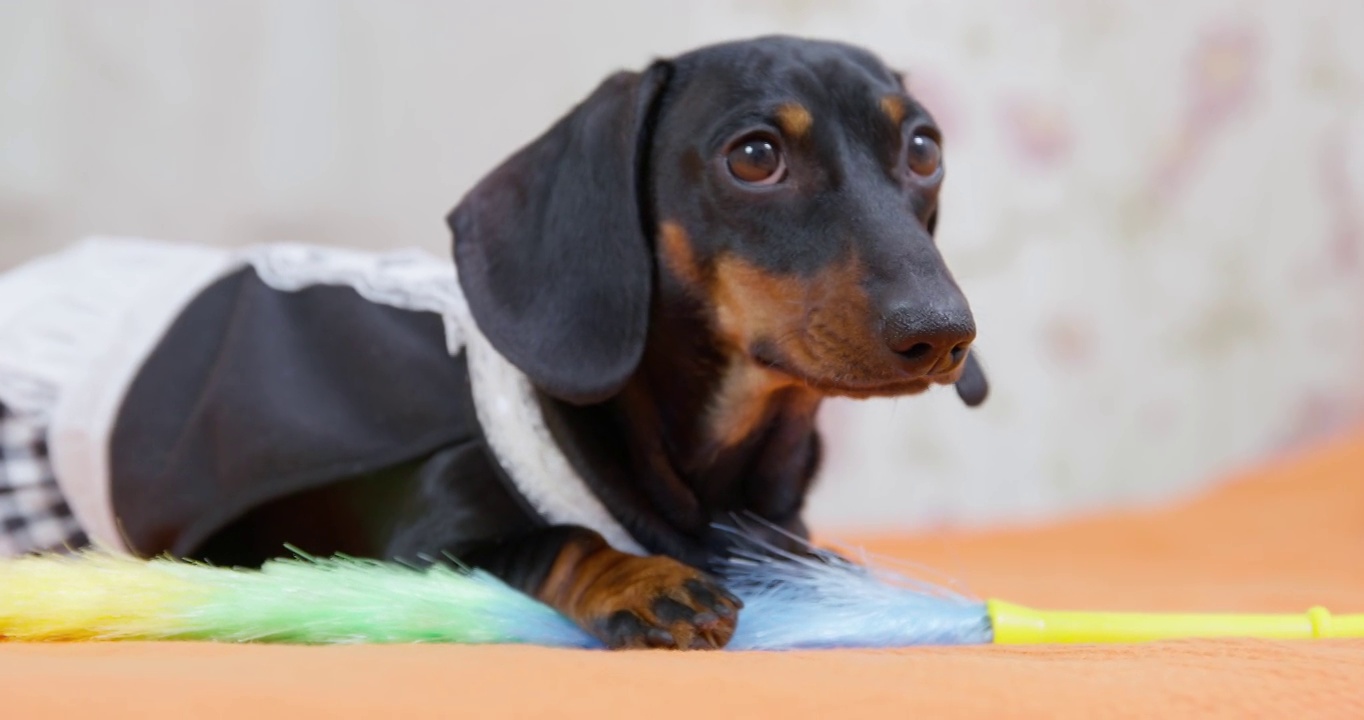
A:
[1280,538]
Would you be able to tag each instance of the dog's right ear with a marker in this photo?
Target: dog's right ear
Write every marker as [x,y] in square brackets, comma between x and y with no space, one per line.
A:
[552,250]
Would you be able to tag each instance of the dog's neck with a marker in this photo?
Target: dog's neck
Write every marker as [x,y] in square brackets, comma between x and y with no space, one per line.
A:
[698,436]
[711,432]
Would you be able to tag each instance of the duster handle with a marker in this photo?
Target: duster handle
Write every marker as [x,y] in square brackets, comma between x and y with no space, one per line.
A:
[1018,625]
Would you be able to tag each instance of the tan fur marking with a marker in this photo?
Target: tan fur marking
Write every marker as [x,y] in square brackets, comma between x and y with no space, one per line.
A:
[751,301]
[564,583]
[743,400]
[820,326]
[674,245]
[753,304]
[894,108]
[794,120]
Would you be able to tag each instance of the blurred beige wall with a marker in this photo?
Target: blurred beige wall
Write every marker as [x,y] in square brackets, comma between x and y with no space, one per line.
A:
[1156,208]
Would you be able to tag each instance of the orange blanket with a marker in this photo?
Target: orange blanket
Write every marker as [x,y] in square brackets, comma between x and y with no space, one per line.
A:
[1281,538]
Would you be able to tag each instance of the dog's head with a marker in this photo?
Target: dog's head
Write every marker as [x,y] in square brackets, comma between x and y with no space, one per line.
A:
[787,187]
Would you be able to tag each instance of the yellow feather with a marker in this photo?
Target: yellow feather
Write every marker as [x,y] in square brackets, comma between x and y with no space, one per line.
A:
[92,595]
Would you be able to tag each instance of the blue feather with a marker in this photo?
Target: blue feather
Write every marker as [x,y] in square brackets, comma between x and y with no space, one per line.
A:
[819,599]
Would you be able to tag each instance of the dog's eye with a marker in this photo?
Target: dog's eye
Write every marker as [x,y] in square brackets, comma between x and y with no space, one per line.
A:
[925,156]
[757,160]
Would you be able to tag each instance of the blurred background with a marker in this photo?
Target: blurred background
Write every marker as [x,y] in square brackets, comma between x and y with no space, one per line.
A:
[1157,212]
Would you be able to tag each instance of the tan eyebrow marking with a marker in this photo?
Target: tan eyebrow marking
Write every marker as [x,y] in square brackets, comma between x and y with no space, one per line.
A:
[894,108]
[794,120]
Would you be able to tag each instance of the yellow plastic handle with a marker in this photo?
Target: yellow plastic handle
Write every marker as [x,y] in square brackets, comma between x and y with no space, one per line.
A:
[1018,625]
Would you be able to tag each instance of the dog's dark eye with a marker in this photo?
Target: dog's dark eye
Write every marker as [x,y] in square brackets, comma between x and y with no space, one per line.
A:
[757,160]
[925,156]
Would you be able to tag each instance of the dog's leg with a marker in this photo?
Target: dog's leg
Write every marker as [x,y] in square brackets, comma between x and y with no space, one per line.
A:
[625,600]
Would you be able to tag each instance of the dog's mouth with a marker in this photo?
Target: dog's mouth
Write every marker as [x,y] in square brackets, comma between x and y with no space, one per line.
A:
[846,385]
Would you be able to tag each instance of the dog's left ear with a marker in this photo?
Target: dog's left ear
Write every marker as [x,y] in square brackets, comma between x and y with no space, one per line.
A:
[552,250]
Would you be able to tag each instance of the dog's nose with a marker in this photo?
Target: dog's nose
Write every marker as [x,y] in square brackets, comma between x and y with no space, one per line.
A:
[930,342]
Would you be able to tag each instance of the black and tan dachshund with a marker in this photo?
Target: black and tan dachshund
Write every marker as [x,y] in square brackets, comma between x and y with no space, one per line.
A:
[683,267]
[689,262]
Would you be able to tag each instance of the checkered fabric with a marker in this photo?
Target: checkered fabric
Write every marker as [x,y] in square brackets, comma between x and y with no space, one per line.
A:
[33,514]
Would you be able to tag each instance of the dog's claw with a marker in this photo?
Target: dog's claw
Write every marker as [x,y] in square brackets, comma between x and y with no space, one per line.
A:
[659,638]
[705,620]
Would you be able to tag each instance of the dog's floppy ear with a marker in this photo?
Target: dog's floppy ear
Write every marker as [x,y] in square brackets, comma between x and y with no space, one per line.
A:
[551,246]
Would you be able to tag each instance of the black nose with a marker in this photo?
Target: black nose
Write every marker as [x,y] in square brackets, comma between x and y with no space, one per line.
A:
[930,342]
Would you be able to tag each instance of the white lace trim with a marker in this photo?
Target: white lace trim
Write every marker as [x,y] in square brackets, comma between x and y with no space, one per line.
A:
[405,279]
[504,400]
[59,311]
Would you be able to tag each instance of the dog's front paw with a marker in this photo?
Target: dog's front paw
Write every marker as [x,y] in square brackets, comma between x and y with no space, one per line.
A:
[658,602]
